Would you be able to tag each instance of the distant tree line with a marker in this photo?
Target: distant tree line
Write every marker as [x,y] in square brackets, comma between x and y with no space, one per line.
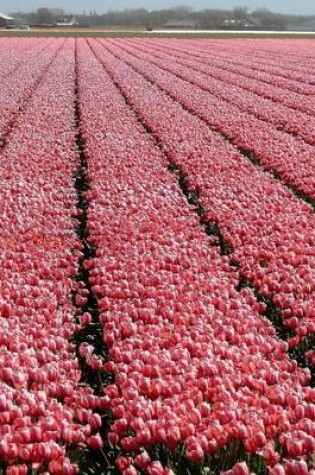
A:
[205,19]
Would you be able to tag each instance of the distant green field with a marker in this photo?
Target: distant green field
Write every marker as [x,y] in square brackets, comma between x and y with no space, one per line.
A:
[132,33]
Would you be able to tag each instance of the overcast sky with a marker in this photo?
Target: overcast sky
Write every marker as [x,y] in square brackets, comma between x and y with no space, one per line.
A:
[285,6]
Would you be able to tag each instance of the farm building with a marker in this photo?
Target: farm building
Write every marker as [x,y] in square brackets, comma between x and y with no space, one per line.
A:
[6,21]
[239,24]
[66,22]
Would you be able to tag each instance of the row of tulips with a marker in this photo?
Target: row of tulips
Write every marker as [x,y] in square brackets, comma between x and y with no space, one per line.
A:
[288,156]
[284,64]
[10,60]
[292,59]
[15,52]
[196,366]
[280,47]
[189,69]
[286,83]
[270,231]
[44,410]
[270,91]
[18,86]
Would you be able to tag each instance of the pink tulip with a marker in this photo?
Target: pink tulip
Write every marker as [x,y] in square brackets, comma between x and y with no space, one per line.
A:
[95,442]
[142,460]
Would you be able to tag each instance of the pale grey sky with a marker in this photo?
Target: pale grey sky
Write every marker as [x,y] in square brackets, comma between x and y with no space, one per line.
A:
[285,6]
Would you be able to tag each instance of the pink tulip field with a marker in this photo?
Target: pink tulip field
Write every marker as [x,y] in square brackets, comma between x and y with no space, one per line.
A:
[157,284]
